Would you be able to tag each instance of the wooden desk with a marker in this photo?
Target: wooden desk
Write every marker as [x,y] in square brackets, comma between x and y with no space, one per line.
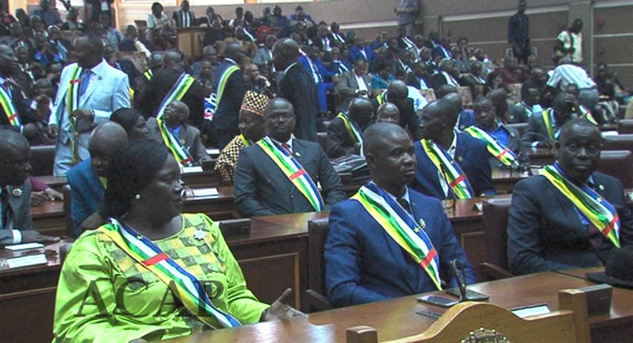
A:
[505,179]
[398,318]
[48,218]
[541,157]
[55,182]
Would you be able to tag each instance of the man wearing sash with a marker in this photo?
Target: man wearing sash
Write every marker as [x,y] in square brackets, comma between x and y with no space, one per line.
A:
[569,216]
[503,142]
[89,91]
[397,94]
[451,164]
[345,132]
[388,240]
[280,173]
[544,127]
[15,112]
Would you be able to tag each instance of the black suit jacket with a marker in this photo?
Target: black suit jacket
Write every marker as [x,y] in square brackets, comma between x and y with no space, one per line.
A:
[298,87]
[21,104]
[261,188]
[408,118]
[177,16]
[546,233]
[227,113]
[339,141]
[161,84]
[21,212]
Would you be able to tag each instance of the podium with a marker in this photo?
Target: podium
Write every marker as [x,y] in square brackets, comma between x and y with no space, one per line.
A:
[189,40]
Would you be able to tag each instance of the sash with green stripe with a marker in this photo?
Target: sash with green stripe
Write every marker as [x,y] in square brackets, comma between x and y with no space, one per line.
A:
[9,108]
[149,74]
[171,140]
[452,173]
[72,103]
[217,96]
[503,154]
[402,228]
[184,285]
[584,113]
[548,119]
[245,141]
[597,210]
[353,129]
[293,170]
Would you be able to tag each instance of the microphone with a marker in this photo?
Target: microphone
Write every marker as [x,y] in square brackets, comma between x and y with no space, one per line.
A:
[464,293]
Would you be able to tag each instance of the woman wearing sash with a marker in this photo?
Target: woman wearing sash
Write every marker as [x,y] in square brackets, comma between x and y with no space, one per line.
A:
[151,273]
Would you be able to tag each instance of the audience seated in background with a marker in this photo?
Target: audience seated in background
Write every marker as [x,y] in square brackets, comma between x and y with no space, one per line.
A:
[397,94]
[345,132]
[544,128]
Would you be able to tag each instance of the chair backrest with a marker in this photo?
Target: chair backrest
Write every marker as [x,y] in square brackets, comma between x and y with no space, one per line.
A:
[618,142]
[495,213]
[519,127]
[473,321]
[625,126]
[619,164]
[68,220]
[317,234]
[467,96]
[42,160]
[322,137]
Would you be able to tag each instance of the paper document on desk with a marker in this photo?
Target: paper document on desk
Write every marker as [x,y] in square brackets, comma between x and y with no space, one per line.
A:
[25,246]
[189,170]
[204,192]
[213,152]
[529,311]
[25,261]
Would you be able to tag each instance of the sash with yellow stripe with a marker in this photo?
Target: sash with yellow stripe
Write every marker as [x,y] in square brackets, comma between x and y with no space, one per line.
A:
[9,108]
[503,154]
[217,96]
[584,113]
[171,140]
[298,176]
[72,103]
[452,173]
[245,141]
[353,129]
[548,119]
[184,285]
[597,210]
[402,228]
[149,74]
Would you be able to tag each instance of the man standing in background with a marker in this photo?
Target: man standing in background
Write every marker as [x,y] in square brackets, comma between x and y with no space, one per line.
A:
[407,11]
[519,33]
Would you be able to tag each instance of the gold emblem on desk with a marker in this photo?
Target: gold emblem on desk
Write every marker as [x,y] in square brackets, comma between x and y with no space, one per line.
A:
[485,335]
[16,192]
[199,234]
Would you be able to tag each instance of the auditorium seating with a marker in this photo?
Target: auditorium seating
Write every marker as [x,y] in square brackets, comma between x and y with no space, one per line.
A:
[619,164]
[316,299]
[625,126]
[619,142]
[42,160]
[495,213]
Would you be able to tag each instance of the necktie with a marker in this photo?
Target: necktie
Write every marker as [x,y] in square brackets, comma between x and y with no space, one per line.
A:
[287,147]
[85,82]
[405,204]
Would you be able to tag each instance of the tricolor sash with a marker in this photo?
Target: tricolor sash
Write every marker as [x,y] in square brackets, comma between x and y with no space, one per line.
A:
[72,103]
[597,210]
[217,96]
[184,285]
[171,140]
[402,228]
[148,74]
[584,113]
[245,141]
[452,173]
[9,108]
[503,154]
[548,119]
[353,129]
[294,171]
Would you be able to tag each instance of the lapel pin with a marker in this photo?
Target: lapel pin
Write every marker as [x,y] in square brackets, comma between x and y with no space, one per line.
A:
[297,154]
[601,187]
[422,223]
[17,192]
[460,158]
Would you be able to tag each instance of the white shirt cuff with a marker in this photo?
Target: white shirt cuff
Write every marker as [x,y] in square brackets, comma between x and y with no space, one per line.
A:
[17,236]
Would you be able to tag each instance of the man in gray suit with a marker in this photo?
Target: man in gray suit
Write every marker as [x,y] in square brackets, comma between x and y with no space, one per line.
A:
[354,83]
[279,174]
[89,91]
[16,224]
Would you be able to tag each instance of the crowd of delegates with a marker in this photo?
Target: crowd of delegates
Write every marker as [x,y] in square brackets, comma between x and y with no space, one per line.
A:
[124,126]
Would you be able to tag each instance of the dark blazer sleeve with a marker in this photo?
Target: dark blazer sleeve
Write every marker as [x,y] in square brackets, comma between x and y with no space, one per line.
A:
[245,186]
[331,186]
[21,209]
[299,88]
[339,142]
[410,120]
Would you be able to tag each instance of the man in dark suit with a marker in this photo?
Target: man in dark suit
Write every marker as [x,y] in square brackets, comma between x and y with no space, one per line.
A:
[163,81]
[543,128]
[16,224]
[354,83]
[279,174]
[364,262]
[397,93]
[184,17]
[444,75]
[550,227]
[298,87]
[86,178]
[21,119]
[345,132]
[451,164]
[232,92]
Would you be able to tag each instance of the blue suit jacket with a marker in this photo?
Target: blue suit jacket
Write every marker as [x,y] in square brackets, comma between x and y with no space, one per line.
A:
[471,155]
[364,264]
[545,231]
[354,53]
[87,193]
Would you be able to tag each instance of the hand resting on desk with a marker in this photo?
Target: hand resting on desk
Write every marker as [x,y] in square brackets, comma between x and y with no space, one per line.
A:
[279,310]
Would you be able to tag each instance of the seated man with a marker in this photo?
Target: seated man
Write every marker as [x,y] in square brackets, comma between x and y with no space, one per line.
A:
[16,224]
[345,132]
[279,174]
[503,142]
[543,128]
[466,116]
[569,216]
[388,113]
[183,140]
[451,164]
[367,258]
[354,83]
[521,112]
[252,129]
[397,94]
[87,179]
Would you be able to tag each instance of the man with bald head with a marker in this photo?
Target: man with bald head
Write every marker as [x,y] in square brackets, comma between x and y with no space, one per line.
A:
[298,87]
[16,113]
[397,94]
[87,180]
[16,224]
[466,117]
[388,113]
[451,164]
[544,127]
[388,240]
[345,132]
[279,174]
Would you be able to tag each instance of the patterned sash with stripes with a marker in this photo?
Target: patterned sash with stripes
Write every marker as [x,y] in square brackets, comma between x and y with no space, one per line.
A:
[184,285]
[503,154]
[217,96]
[402,228]
[72,103]
[353,129]
[596,209]
[294,171]
[9,108]
[452,173]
